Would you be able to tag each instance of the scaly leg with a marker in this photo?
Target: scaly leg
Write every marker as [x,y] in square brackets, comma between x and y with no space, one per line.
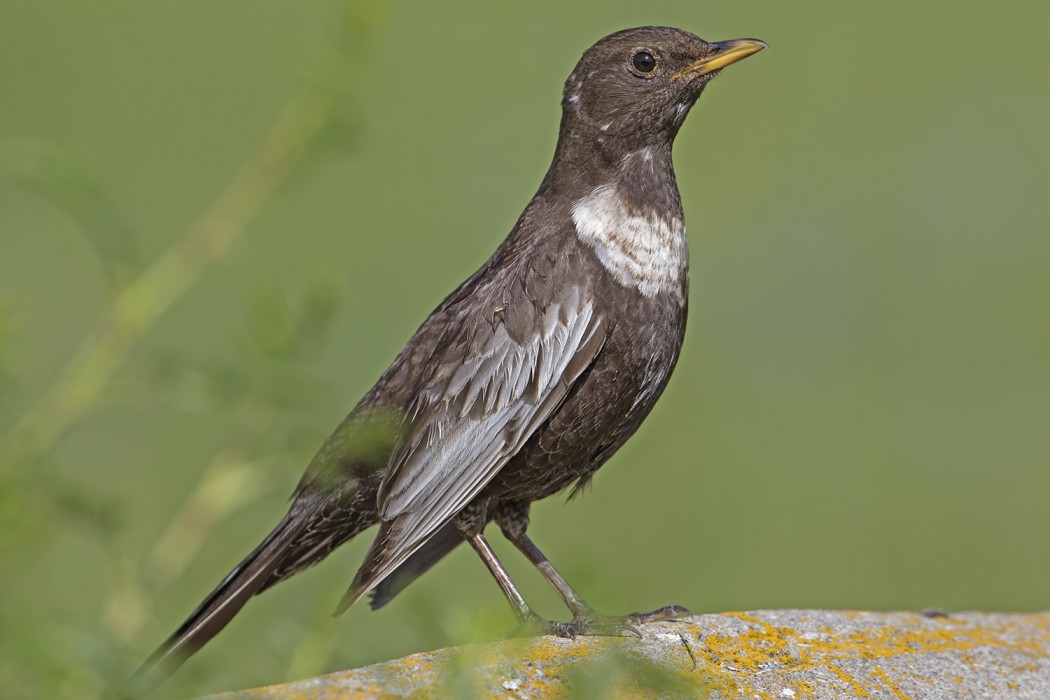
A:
[513,520]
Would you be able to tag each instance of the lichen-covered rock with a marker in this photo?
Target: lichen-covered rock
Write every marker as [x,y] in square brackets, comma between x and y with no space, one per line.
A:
[799,654]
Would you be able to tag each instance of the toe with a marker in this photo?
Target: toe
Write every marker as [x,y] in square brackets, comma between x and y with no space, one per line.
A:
[598,626]
[668,612]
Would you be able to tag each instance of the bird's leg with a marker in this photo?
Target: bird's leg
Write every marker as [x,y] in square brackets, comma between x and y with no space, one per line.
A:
[513,520]
[514,597]
[471,523]
[526,616]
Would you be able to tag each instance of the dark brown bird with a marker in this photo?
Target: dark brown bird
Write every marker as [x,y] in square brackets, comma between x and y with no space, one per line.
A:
[531,374]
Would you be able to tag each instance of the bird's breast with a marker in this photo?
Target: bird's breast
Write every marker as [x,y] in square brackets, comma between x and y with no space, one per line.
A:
[641,249]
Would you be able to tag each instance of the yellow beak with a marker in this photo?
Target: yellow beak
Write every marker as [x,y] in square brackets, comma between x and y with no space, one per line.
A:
[722,54]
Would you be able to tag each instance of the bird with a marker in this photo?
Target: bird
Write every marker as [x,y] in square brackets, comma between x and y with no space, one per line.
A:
[525,379]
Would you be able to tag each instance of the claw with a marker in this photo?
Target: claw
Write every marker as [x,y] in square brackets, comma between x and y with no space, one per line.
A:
[628,631]
[536,625]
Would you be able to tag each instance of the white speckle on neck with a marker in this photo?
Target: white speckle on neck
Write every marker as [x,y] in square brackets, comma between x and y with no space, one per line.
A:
[642,158]
[640,249]
[577,88]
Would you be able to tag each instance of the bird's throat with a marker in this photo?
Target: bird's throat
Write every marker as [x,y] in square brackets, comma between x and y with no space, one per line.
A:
[643,249]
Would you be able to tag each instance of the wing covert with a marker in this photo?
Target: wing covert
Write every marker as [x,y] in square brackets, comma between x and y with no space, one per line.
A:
[489,391]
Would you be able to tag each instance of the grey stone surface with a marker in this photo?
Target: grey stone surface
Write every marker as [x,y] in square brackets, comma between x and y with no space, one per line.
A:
[801,654]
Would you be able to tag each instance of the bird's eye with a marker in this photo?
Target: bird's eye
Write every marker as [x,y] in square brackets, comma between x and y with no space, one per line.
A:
[644,63]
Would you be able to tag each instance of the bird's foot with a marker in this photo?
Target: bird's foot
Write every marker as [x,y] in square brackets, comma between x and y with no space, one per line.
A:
[587,623]
[668,612]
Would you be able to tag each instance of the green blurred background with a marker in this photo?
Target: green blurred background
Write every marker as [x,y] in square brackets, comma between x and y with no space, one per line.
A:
[860,419]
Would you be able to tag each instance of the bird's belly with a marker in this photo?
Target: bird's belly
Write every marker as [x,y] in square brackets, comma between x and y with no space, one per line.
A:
[603,411]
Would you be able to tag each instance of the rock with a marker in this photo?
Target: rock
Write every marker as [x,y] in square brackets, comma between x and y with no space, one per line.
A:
[800,654]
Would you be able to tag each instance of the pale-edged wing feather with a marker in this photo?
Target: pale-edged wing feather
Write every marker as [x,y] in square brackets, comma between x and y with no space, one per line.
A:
[484,399]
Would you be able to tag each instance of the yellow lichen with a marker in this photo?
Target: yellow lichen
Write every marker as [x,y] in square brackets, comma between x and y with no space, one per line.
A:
[885,678]
[712,662]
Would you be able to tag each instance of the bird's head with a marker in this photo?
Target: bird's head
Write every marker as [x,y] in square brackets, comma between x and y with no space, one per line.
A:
[635,87]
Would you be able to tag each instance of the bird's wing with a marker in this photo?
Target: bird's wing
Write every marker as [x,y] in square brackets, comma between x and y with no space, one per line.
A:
[490,388]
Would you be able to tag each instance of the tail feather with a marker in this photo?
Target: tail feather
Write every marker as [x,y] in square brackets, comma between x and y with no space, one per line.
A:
[246,579]
[444,541]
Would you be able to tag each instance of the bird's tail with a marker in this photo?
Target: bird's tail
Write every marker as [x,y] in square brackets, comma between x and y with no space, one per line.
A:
[247,578]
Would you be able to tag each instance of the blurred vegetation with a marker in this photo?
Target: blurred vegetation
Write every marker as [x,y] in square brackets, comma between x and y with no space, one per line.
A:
[219,222]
